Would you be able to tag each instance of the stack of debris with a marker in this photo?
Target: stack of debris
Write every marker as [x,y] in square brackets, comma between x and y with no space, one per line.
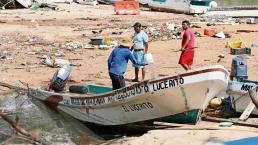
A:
[167,31]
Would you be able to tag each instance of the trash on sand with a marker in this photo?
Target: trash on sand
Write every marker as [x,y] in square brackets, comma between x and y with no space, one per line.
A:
[220,35]
[195,26]
[225,124]
[105,46]
[44,6]
[96,41]
[90,46]
[73,45]
[170,26]
[152,31]
[254,45]
[209,31]
[88,2]
[96,32]
[102,41]
[47,61]
[61,62]
[5,55]
[251,21]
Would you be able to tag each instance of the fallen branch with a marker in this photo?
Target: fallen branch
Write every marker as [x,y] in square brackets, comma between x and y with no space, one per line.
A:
[19,129]
[16,88]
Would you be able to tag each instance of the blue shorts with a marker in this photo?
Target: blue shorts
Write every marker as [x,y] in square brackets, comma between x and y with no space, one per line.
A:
[139,56]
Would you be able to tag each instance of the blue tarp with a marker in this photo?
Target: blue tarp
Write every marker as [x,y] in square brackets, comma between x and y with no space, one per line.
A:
[245,141]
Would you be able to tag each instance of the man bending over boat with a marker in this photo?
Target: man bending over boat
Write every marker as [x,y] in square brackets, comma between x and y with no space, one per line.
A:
[117,64]
[187,46]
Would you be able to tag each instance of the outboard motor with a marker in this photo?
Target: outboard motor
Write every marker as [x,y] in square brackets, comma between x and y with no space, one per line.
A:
[238,69]
[60,78]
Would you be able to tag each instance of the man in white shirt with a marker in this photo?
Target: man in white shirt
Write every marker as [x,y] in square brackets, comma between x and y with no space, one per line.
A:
[140,48]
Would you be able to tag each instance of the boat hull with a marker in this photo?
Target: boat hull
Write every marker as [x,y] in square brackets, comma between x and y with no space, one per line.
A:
[239,92]
[178,6]
[150,100]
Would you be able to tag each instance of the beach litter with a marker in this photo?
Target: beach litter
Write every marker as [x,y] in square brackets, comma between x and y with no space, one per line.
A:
[225,124]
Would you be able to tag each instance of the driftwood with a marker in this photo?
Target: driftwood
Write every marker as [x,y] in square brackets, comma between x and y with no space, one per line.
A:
[248,110]
[247,31]
[239,123]
[19,129]
[12,87]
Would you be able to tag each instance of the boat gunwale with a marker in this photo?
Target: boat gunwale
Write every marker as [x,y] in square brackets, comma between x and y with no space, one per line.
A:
[150,82]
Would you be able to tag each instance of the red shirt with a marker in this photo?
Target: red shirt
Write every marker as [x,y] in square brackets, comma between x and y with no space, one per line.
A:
[188,32]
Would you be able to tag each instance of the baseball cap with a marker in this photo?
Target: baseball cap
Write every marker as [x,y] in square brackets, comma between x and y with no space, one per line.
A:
[137,24]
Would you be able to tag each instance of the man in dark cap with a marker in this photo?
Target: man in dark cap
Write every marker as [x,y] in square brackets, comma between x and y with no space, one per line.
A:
[140,48]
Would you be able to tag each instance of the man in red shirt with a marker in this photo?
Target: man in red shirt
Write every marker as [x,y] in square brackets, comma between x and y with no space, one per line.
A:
[187,55]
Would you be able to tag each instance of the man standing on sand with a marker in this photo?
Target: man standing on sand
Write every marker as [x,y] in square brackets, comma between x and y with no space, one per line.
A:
[187,46]
[117,64]
[140,48]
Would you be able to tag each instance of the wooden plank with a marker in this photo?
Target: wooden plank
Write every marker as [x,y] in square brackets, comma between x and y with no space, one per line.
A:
[248,110]
[172,124]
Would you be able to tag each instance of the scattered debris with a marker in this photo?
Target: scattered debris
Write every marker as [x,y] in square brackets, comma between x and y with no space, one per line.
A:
[254,45]
[44,6]
[247,31]
[88,2]
[57,62]
[220,57]
[5,55]
[220,35]
[251,21]
[73,45]
[47,61]
[209,31]
[61,62]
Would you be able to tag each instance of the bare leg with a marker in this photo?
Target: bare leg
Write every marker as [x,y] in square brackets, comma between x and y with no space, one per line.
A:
[189,67]
[136,71]
[143,74]
[185,66]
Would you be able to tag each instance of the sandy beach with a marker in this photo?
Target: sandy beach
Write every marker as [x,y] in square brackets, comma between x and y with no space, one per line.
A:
[27,35]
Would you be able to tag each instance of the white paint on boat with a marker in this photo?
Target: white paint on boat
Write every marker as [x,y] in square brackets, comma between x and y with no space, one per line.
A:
[149,100]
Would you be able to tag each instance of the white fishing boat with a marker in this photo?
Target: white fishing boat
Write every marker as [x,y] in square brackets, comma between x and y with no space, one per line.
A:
[239,92]
[175,98]
[183,6]
[25,3]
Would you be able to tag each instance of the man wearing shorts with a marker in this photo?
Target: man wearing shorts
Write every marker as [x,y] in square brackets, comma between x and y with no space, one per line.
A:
[140,48]
[187,46]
